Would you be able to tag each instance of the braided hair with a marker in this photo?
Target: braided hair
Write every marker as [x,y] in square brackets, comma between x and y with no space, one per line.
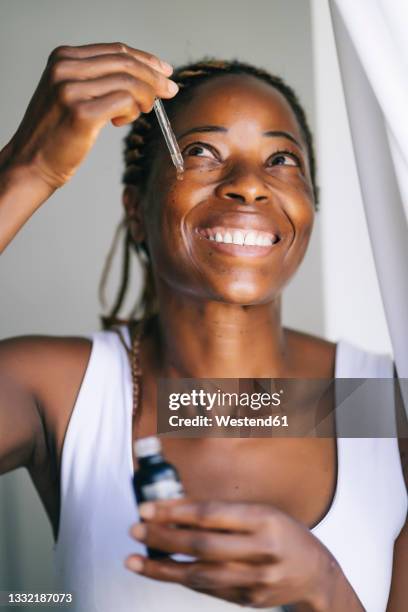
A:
[139,151]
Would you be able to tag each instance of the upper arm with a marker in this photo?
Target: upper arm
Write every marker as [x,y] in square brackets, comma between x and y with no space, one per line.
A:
[39,380]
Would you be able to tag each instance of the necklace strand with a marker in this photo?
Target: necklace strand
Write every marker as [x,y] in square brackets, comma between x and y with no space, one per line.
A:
[136,369]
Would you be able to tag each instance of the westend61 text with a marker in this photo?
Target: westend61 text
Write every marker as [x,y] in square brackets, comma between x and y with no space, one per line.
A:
[228,421]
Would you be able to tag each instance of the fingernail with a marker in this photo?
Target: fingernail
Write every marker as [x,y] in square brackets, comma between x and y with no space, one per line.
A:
[147,510]
[166,66]
[139,531]
[135,564]
[172,87]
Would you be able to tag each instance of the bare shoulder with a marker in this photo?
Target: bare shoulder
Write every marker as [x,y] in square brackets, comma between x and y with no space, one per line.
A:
[311,356]
[40,362]
[49,369]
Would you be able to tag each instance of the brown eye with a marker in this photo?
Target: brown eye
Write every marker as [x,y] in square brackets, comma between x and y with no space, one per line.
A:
[199,150]
[283,158]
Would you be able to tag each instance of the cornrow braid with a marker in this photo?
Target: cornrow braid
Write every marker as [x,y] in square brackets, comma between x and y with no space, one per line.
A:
[139,152]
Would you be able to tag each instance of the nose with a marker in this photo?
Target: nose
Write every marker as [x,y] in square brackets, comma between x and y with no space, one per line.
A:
[245,186]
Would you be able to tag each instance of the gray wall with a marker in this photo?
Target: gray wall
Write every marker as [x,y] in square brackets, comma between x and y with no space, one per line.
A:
[49,274]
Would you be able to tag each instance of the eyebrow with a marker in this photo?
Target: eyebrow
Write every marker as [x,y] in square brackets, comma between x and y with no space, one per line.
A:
[203,128]
[280,134]
[219,128]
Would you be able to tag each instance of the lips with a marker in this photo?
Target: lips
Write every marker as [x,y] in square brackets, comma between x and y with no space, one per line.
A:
[239,232]
[239,242]
[238,236]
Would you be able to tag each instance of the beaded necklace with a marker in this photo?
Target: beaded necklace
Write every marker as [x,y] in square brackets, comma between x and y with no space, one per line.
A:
[135,367]
[136,330]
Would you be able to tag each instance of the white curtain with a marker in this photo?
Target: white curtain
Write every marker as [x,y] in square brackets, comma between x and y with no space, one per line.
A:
[372,46]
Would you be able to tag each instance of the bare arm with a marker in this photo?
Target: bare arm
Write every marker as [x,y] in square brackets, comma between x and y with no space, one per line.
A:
[21,194]
[20,424]
[39,381]
[80,91]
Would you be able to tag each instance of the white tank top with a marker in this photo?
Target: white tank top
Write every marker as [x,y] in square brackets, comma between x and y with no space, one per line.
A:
[98,506]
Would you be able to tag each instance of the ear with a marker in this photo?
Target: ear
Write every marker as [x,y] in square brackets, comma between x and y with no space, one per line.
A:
[133,210]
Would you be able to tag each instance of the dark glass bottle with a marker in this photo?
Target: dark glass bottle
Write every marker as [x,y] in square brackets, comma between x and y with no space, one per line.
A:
[155,479]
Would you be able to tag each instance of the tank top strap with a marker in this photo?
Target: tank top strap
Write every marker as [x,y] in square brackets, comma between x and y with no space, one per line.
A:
[355,362]
[365,405]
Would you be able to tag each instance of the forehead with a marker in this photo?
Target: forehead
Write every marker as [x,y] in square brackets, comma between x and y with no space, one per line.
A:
[238,99]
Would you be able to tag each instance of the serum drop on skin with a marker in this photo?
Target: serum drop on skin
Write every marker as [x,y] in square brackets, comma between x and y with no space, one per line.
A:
[155,479]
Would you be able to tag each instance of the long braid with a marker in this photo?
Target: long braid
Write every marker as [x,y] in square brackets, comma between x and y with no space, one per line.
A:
[139,149]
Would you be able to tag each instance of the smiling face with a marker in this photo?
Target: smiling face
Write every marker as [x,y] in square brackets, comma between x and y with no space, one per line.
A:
[236,228]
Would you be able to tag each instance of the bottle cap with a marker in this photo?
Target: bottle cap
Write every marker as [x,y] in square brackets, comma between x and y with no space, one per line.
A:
[145,447]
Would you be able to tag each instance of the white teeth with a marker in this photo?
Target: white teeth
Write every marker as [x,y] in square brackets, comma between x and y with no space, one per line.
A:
[250,239]
[238,237]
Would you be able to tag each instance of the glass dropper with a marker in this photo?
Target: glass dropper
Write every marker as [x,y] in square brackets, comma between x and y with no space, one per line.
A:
[169,136]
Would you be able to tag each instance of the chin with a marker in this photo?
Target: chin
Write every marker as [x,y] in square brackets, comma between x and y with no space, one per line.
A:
[241,294]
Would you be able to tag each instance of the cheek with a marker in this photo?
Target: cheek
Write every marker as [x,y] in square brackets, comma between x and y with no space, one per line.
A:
[308,223]
[303,228]
[168,213]
[305,222]
[299,207]
[176,204]
[300,212]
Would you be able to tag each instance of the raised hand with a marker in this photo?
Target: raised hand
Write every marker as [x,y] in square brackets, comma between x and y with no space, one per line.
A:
[81,89]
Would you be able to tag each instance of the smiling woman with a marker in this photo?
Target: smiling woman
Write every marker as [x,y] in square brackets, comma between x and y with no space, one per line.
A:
[210,148]
[264,518]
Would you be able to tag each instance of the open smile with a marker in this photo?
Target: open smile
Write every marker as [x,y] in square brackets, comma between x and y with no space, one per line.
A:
[239,241]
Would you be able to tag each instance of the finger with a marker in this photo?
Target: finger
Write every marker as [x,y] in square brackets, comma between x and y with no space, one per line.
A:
[103,65]
[96,112]
[257,597]
[236,595]
[231,516]
[206,545]
[69,92]
[92,50]
[197,576]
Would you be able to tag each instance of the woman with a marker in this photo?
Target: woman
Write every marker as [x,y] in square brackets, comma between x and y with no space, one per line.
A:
[304,522]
